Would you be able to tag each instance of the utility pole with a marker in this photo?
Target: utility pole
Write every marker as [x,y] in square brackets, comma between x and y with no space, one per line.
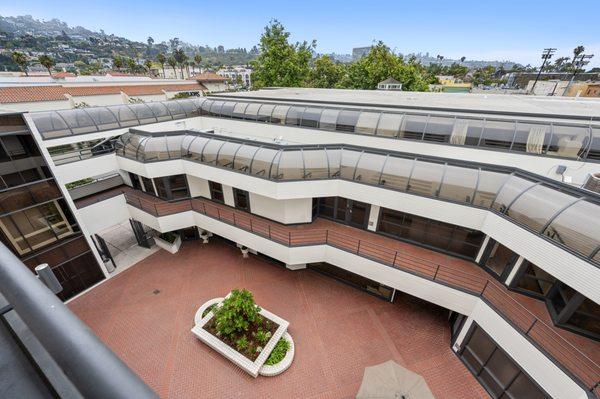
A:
[546,55]
[580,61]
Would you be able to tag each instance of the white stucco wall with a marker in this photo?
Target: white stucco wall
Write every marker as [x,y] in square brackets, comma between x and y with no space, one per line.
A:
[283,211]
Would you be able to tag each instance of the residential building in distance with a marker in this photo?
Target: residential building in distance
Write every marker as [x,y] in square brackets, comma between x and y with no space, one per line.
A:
[213,82]
[238,72]
[358,52]
[479,205]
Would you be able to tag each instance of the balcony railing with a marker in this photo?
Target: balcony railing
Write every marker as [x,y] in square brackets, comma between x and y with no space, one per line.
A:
[568,357]
[90,366]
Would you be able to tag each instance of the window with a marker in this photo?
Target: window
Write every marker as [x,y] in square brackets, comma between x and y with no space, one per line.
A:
[347,120]
[171,187]
[216,191]
[571,310]
[495,370]
[241,199]
[533,281]
[498,259]
[432,233]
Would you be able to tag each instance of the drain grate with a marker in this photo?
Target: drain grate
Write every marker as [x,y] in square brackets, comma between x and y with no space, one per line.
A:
[156,292]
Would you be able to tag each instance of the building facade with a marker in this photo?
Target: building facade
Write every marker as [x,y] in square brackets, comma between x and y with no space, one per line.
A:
[355,185]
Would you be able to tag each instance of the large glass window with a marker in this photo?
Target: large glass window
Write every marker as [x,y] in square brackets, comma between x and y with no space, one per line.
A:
[442,236]
[498,259]
[264,113]
[243,158]
[226,154]
[498,373]
[348,164]
[171,187]
[279,113]
[488,185]
[216,191]
[571,310]
[533,281]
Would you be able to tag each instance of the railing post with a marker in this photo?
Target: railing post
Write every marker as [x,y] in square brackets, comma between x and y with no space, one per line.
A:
[327,236]
[358,248]
[289,238]
[218,213]
[204,207]
[234,223]
[484,287]
[531,326]
[395,256]
[437,269]
[269,229]
[251,227]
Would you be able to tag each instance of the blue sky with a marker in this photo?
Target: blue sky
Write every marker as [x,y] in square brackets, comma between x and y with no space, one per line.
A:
[515,30]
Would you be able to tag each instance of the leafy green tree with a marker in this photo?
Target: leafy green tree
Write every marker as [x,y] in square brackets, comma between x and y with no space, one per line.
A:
[380,64]
[118,62]
[173,64]
[279,62]
[484,76]
[21,60]
[47,62]
[325,73]
[237,313]
[161,59]
[458,71]
[148,65]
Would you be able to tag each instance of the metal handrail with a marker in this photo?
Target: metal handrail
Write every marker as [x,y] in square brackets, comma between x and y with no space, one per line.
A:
[90,365]
[425,268]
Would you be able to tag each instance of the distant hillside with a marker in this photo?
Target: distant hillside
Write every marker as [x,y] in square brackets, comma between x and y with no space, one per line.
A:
[68,45]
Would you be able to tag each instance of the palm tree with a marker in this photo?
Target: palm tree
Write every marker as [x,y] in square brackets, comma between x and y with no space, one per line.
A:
[173,63]
[576,52]
[181,58]
[198,60]
[161,59]
[47,62]
[21,60]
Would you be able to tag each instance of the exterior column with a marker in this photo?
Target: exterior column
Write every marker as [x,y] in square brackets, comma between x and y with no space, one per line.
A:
[373,218]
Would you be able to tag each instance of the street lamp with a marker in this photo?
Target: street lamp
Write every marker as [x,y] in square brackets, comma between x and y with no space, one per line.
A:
[546,55]
[580,61]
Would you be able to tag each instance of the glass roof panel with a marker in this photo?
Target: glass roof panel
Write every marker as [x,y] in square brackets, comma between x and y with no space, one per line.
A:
[348,163]
[279,113]
[103,118]
[196,147]
[124,115]
[389,124]
[538,205]
[211,149]
[396,172]
[143,113]
[315,164]
[78,121]
[328,118]
[251,111]
[367,122]
[261,164]
[155,149]
[175,108]
[513,188]
[225,158]
[291,166]
[243,157]
[459,184]
[160,110]
[426,178]
[578,228]
[369,168]
[487,187]
[264,113]
[50,124]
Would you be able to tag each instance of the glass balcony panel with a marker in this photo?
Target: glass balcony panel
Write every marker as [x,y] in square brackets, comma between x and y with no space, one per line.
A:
[413,127]
[174,146]
[439,129]
[389,124]
[328,119]
[367,122]
[497,135]
[226,154]
[466,132]
[103,118]
[279,113]
[252,111]
[243,158]
[176,109]
[211,149]
[294,116]
[426,178]
[154,149]
[190,107]
[161,113]
[488,186]
[124,115]
[185,144]
[264,113]
[205,107]
[348,163]
[291,166]
[196,147]
[536,206]
[261,164]
[513,187]
[346,121]
[143,113]
[50,125]
[369,168]
[78,121]
[227,109]
[594,152]
[131,143]
[238,110]
[315,164]
[459,184]
[532,138]
[577,228]
[215,108]
[396,172]
[310,117]
[334,156]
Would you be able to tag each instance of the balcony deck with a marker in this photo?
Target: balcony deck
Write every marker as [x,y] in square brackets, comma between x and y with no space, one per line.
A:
[575,353]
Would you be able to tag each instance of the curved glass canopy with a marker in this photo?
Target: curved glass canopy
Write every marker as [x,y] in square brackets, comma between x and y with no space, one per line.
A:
[575,141]
[54,124]
[569,217]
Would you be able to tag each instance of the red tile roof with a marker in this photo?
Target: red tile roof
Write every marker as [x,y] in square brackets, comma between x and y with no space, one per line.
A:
[58,93]
[63,75]
[208,77]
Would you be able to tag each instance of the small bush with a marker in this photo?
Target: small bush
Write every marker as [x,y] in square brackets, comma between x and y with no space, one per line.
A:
[237,314]
[262,336]
[242,344]
[278,352]
[168,237]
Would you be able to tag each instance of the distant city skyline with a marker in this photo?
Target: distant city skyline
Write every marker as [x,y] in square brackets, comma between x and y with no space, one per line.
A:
[516,31]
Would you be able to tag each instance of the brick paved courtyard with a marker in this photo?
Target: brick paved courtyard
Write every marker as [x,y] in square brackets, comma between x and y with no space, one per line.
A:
[145,314]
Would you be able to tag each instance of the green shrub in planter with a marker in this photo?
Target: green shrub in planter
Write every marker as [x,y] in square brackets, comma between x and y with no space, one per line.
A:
[278,352]
[237,313]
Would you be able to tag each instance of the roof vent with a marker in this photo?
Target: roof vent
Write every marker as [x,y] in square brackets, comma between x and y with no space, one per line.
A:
[593,182]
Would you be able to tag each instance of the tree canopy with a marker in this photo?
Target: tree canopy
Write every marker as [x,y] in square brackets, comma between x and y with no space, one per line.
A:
[279,62]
